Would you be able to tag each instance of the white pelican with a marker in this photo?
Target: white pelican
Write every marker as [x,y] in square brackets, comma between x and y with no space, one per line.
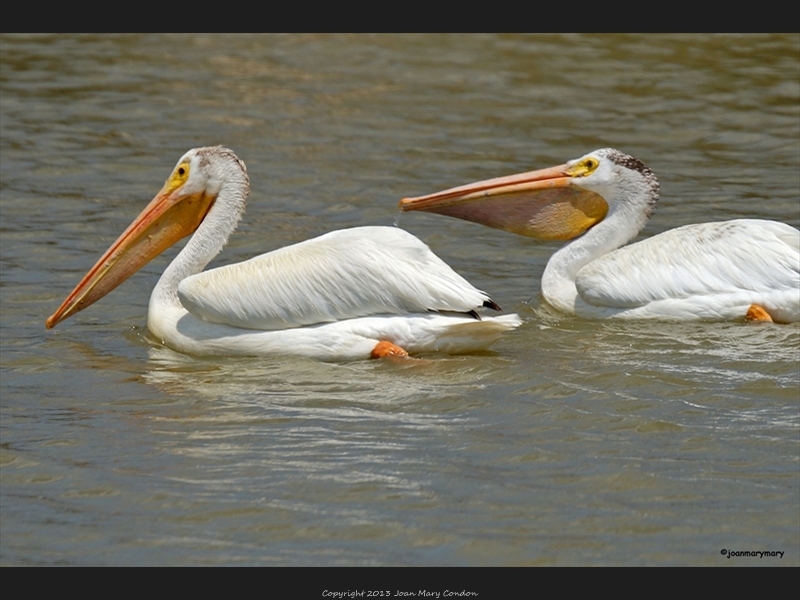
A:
[348,294]
[711,271]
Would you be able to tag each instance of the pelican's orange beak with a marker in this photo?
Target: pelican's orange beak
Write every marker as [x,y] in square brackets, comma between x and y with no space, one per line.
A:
[544,204]
[170,216]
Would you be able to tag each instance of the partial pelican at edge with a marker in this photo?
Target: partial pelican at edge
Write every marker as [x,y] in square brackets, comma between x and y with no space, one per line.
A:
[744,268]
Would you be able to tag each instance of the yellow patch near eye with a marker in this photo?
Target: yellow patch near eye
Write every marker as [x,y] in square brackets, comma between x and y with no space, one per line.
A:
[178,178]
[583,168]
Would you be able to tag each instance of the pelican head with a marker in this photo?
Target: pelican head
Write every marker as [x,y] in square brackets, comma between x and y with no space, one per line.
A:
[187,199]
[557,203]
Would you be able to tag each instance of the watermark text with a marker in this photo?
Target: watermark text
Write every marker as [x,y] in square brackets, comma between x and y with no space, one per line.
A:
[751,553]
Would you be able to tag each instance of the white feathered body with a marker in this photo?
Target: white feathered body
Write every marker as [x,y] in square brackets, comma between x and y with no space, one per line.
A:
[707,271]
[332,297]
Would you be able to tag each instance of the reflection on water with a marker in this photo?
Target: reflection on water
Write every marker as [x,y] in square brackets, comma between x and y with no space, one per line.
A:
[383,385]
[572,442]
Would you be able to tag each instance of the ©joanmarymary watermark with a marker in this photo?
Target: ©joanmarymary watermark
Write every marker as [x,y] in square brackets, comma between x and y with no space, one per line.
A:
[751,553]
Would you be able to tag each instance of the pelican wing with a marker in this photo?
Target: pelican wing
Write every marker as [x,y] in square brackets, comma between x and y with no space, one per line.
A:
[704,259]
[341,275]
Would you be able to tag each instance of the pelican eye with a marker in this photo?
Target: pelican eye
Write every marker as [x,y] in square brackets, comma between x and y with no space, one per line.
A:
[583,168]
[178,177]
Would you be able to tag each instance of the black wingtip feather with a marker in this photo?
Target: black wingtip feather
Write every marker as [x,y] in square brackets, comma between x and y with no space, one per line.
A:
[491,304]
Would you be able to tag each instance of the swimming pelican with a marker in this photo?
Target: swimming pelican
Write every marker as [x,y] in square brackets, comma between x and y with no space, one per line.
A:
[348,294]
[711,271]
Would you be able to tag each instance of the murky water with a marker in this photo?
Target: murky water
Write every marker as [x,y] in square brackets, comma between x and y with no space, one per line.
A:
[573,442]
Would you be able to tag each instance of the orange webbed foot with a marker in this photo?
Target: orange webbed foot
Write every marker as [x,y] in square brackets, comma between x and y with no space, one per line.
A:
[758,313]
[387,349]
